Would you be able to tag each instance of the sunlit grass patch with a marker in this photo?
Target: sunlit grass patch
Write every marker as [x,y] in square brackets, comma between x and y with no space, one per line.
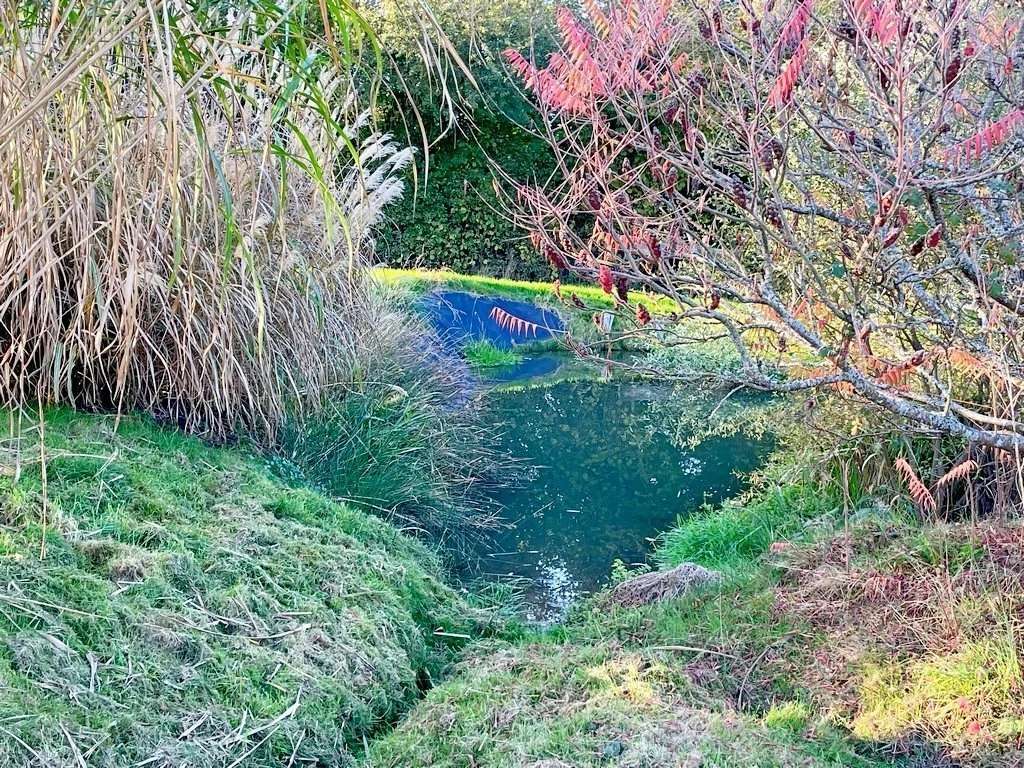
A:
[959,699]
[789,716]
[421,280]
[484,354]
[738,532]
[629,678]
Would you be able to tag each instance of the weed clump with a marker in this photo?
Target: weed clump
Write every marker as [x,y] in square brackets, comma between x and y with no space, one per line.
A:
[483,354]
[406,438]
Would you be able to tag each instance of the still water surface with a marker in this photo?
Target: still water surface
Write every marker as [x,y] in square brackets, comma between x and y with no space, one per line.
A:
[600,479]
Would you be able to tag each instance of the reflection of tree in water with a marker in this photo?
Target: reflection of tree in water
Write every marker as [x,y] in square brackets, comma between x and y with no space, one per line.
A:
[689,414]
[606,476]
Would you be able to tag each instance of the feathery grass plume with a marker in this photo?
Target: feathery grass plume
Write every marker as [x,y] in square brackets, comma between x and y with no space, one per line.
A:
[917,489]
[185,192]
[961,471]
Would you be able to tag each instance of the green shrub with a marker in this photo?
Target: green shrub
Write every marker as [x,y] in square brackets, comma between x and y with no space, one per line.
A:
[455,220]
[471,116]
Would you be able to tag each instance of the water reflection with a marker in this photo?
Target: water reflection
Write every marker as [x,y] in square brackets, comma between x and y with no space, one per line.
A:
[601,478]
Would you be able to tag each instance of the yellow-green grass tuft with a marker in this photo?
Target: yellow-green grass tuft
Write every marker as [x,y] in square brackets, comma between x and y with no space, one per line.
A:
[483,354]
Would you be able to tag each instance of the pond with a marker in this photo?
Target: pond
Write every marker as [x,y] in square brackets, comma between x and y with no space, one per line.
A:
[600,479]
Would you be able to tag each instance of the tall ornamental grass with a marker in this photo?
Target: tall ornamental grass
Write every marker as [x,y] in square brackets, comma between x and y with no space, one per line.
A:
[185,188]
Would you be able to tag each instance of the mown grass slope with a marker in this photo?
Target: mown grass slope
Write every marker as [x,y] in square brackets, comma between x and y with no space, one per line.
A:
[163,602]
[704,680]
[656,687]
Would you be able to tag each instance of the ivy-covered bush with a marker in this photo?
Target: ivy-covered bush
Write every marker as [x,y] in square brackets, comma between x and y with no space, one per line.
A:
[454,219]
[471,113]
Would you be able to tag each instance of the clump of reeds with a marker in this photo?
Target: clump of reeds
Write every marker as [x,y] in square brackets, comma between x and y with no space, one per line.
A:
[406,437]
[184,195]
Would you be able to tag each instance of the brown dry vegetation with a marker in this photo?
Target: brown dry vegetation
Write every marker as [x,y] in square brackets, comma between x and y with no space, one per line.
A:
[182,210]
[918,633]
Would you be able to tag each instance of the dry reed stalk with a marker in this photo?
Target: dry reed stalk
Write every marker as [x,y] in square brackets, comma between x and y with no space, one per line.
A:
[183,205]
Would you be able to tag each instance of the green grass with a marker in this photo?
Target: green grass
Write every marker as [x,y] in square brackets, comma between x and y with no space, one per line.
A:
[423,280]
[589,706]
[791,716]
[970,695]
[709,679]
[164,597]
[403,453]
[736,534]
[619,687]
[483,354]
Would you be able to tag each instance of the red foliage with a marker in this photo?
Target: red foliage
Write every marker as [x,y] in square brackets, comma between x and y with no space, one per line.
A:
[987,139]
[814,152]
[793,32]
[620,55]
[782,90]
[961,471]
[880,20]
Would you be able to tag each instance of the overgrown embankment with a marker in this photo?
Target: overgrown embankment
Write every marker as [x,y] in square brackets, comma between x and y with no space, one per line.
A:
[859,639]
[169,603]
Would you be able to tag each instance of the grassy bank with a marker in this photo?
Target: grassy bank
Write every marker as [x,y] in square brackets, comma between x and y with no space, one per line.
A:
[838,636]
[167,600]
[423,280]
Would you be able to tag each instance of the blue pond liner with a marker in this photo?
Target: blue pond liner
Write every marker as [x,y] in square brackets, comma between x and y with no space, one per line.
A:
[460,318]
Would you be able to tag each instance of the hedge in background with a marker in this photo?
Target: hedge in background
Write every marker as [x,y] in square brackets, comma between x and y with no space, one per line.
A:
[454,220]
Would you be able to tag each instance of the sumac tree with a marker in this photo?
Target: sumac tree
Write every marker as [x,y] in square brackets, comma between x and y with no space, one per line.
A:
[836,185]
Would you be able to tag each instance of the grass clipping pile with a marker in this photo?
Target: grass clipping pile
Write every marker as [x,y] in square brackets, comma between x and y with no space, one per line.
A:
[659,586]
[167,603]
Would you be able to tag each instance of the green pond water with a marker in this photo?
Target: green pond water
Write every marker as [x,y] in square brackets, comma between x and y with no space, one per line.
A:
[600,479]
